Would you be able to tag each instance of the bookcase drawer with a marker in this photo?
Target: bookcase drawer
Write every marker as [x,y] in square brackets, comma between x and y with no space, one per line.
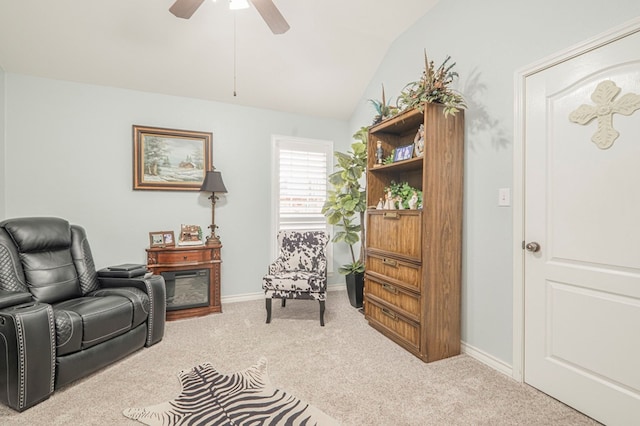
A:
[395,232]
[396,270]
[401,299]
[390,322]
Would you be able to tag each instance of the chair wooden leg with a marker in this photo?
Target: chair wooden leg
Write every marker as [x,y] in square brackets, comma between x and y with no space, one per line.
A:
[284,302]
[322,313]
[268,305]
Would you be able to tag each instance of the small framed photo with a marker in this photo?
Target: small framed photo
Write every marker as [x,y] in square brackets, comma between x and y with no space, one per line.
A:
[402,153]
[162,239]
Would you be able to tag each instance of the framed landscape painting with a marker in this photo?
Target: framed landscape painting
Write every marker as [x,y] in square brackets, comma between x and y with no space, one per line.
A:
[170,159]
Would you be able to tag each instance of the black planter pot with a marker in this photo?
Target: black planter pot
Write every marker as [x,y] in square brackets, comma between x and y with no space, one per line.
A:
[355,287]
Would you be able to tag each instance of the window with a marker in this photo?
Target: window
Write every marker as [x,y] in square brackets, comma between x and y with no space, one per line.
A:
[300,173]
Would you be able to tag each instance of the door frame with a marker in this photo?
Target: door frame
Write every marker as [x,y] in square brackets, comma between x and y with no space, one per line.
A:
[519,183]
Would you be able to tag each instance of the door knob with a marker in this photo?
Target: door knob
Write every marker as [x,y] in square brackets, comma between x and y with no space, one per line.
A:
[533,247]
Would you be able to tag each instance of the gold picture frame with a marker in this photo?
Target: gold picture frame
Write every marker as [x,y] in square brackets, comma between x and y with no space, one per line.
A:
[162,239]
[170,159]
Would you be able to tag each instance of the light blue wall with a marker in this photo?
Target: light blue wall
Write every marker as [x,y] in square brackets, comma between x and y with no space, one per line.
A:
[2,153]
[489,40]
[69,150]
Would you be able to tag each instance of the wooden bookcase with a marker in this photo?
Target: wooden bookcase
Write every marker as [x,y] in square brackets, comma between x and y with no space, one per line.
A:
[413,257]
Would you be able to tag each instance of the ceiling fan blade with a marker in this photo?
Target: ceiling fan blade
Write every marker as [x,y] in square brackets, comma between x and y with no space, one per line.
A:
[271,16]
[185,8]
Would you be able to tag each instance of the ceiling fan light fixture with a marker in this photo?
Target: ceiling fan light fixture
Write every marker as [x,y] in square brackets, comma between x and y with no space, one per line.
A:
[238,4]
[266,8]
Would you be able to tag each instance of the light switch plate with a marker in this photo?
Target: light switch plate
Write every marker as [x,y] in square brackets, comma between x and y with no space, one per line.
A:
[504,197]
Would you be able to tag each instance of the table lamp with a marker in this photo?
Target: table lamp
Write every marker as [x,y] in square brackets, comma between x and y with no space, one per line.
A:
[213,183]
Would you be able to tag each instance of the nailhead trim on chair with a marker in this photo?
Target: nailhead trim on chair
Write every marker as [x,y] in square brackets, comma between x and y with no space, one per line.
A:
[150,318]
[21,360]
[52,339]
[22,384]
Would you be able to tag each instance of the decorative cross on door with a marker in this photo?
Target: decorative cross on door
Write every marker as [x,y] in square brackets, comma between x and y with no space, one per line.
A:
[604,108]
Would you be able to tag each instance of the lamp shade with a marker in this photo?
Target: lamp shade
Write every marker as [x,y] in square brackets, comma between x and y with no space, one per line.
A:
[213,182]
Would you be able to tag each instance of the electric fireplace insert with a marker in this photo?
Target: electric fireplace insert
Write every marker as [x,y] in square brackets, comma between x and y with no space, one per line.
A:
[187,289]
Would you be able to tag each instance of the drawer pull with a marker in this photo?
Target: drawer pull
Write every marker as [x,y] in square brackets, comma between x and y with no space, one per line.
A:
[390,288]
[390,215]
[390,262]
[390,314]
[184,257]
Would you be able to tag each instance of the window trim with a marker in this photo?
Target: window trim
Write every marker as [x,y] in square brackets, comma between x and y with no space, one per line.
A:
[292,142]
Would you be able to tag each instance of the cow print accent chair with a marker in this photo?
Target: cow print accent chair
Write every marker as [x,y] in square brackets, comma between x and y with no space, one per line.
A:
[300,271]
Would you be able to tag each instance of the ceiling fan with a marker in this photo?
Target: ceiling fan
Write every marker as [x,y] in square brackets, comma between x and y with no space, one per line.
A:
[266,8]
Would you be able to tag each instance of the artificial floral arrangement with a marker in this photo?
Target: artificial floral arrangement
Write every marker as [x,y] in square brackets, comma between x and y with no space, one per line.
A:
[433,87]
[403,193]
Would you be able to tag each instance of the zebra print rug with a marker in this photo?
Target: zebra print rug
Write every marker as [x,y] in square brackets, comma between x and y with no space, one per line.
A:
[209,397]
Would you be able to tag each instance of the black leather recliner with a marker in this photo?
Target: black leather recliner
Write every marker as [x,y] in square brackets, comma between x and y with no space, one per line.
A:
[59,320]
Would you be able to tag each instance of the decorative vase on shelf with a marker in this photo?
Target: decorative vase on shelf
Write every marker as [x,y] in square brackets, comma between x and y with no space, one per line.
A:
[413,201]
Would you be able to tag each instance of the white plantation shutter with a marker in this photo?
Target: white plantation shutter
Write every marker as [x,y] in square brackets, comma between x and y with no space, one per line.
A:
[301,169]
[303,189]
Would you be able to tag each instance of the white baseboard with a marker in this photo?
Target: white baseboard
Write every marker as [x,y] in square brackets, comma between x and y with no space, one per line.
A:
[336,287]
[242,297]
[260,294]
[487,359]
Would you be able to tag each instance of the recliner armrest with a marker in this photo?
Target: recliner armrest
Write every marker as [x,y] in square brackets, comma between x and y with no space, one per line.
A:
[154,287]
[11,298]
[28,345]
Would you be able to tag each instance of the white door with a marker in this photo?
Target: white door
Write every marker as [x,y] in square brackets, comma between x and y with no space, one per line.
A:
[582,208]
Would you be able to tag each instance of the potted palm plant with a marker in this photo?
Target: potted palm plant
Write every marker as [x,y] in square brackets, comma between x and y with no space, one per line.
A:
[346,202]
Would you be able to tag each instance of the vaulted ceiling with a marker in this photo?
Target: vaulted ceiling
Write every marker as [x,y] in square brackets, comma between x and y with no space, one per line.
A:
[320,67]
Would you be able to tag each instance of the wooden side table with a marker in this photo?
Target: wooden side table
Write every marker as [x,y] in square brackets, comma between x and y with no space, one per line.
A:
[185,269]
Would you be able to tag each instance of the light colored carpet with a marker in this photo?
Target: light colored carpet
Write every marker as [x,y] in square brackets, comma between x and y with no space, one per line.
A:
[346,369]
